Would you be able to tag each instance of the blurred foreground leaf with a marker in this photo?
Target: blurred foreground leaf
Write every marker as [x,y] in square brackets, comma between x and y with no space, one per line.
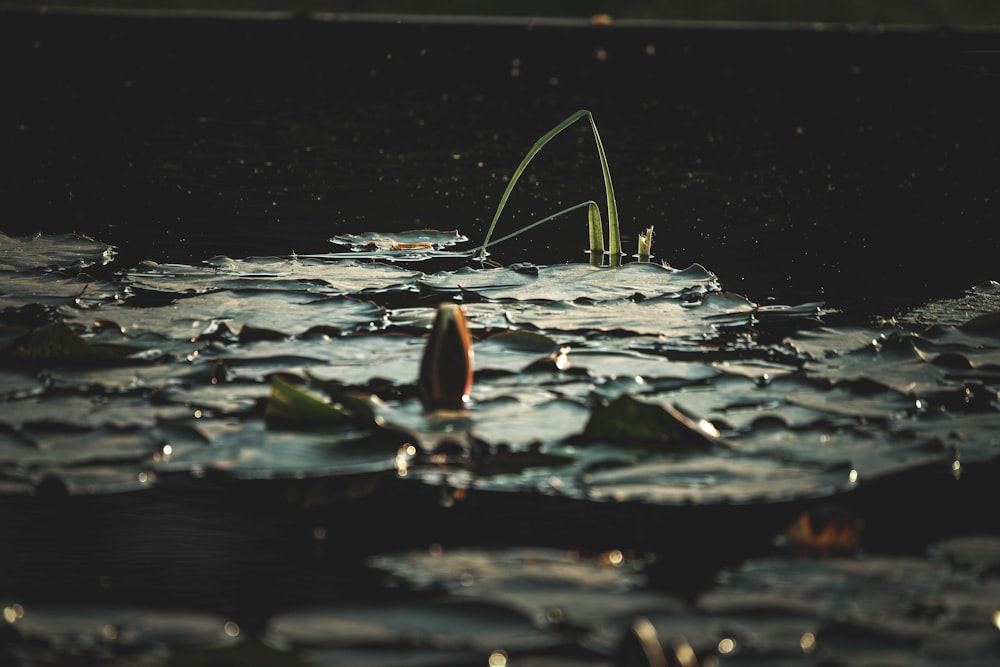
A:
[629,421]
[53,341]
[288,403]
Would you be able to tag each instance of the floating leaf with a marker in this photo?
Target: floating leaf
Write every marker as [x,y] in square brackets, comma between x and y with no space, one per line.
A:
[55,289]
[557,587]
[294,405]
[90,411]
[528,418]
[290,313]
[455,626]
[298,274]
[145,631]
[47,252]
[53,341]
[987,322]
[706,480]
[417,239]
[632,422]
[567,282]
[254,449]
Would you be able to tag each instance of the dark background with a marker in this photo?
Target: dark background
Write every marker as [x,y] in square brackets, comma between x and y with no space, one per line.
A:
[923,12]
[856,164]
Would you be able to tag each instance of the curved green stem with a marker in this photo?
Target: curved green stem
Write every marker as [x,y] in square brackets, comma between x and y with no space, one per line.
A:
[614,239]
[536,224]
[614,234]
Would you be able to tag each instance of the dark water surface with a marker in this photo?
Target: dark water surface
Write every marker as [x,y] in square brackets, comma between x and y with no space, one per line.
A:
[852,167]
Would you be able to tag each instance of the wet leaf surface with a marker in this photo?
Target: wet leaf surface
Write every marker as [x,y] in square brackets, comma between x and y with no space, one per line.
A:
[51,252]
[416,239]
[625,391]
[152,514]
[874,399]
[271,273]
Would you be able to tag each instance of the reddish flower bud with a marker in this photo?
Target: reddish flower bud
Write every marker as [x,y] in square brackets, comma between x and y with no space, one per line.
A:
[447,365]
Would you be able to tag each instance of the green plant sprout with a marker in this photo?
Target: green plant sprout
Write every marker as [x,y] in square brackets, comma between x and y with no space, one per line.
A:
[593,210]
[645,244]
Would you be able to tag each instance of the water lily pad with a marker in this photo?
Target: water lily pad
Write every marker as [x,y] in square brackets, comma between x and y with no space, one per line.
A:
[554,587]
[514,350]
[977,306]
[863,451]
[568,282]
[252,450]
[897,362]
[461,628]
[19,385]
[89,411]
[664,316]
[413,240]
[51,252]
[522,421]
[636,423]
[55,289]
[288,313]
[272,273]
[736,403]
[713,479]
[195,347]
[62,446]
[826,342]
[873,610]
[78,630]
[298,406]
[348,360]
[608,361]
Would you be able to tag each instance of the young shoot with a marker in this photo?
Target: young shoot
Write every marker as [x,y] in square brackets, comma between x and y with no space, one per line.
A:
[645,244]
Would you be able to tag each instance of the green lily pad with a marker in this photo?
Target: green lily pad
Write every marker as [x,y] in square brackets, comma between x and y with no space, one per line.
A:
[144,631]
[459,625]
[416,239]
[90,411]
[298,274]
[288,313]
[55,289]
[568,282]
[714,479]
[294,405]
[554,586]
[632,422]
[52,252]
[254,449]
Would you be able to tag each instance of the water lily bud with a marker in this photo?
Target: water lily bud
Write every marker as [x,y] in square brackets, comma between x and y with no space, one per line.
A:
[447,366]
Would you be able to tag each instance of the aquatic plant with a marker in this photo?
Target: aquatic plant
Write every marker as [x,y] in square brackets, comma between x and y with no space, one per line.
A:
[383,244]
[446,368]
[593,210]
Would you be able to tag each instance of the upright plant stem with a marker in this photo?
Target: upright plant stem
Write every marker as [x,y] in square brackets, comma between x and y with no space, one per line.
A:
[614,234]
[596,234]
[614,239]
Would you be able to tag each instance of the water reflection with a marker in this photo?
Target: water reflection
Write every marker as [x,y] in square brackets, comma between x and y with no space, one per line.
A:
[498,659]
[13,613]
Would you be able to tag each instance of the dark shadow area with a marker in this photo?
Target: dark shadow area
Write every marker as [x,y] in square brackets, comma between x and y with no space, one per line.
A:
[847,165]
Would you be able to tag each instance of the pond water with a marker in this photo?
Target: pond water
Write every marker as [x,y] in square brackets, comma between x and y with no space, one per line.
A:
[774,444]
